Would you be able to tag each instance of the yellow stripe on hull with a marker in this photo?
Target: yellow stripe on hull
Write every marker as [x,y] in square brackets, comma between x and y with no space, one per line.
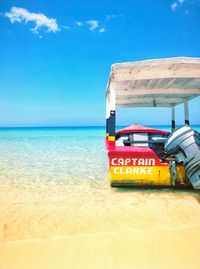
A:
[180,175]
[153,175]
[145,175]
[111,138]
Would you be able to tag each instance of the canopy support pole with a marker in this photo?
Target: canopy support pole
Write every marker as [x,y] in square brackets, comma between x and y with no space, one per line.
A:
[186,110]
[173,119]
[107,116]
[110,115]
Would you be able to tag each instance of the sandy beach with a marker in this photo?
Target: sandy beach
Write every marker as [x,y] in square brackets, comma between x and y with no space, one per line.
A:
[127,249]
[107,231]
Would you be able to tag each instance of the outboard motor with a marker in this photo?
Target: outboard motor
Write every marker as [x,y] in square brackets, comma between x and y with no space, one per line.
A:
[184,143]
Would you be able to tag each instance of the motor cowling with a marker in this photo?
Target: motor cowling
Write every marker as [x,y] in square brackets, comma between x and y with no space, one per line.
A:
[184,144]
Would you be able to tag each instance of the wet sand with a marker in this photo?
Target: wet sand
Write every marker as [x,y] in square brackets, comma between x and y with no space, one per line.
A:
[90,225]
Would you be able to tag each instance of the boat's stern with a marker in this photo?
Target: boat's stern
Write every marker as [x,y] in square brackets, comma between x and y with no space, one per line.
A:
[137,158]
[137,166]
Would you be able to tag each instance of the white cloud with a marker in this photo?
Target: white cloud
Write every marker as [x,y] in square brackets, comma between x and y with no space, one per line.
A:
[93,24]
[20,15]
[110,16]
[66,27]
[102,30]
[79,23]
[97,25]
[174,6]
[178,3]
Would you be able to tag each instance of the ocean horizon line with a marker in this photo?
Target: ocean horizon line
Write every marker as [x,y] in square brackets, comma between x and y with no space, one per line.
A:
[83,126]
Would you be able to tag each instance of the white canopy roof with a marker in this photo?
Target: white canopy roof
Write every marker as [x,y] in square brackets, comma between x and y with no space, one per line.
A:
[161,82]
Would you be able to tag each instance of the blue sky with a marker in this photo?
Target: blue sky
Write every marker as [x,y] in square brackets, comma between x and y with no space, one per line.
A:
[56,56]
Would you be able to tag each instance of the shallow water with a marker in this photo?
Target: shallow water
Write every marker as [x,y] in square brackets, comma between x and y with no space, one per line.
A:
[54,183]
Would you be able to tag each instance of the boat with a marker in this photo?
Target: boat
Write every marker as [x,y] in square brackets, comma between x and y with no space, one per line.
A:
[144,156]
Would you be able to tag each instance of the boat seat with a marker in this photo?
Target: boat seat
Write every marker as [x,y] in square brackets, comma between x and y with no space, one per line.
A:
[120,140]
[139,139]
[147,143]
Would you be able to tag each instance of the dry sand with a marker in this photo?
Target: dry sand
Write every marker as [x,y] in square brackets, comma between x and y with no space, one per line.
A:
[59,227]
[128,249]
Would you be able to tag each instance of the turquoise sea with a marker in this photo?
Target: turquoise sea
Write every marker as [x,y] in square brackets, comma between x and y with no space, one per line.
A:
[55,182]
[55,154]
